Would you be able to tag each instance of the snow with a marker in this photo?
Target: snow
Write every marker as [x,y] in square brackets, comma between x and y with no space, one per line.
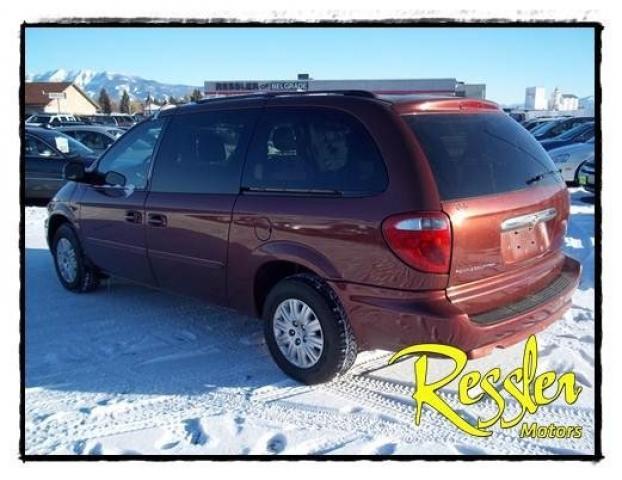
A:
[130,370]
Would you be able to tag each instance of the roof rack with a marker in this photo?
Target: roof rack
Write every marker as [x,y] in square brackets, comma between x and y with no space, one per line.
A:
[353,93]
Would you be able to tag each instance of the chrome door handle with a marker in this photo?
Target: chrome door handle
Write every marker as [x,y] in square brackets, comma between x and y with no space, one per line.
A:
[156,220]
[133,216]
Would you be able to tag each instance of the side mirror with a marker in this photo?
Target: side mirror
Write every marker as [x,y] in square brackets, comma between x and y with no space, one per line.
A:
[115,178]
[74,171]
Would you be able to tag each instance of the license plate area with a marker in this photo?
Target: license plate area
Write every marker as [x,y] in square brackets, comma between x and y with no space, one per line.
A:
[526,242]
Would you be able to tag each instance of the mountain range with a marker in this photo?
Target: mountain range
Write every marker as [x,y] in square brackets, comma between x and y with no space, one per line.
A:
[92,82]
[138,88]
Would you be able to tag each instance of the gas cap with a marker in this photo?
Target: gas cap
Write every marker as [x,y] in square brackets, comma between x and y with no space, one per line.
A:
[263,229]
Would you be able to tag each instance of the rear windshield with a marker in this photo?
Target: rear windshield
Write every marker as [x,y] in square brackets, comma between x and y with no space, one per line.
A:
[480,154]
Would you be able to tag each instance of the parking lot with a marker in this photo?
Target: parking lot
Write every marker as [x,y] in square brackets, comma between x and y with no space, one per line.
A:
[129,370]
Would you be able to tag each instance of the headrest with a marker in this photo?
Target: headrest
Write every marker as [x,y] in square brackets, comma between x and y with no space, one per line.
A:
[284,139]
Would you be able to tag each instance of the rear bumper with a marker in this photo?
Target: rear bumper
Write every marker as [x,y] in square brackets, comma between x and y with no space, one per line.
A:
[393,319]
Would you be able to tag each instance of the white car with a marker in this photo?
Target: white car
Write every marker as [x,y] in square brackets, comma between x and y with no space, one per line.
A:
[569,158]
[52,119]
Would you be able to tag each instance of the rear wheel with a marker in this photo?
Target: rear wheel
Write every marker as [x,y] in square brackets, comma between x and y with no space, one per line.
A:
[74,271]
[307,330]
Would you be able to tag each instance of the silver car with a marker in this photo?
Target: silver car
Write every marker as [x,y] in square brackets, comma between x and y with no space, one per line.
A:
[97,137]
[569,158]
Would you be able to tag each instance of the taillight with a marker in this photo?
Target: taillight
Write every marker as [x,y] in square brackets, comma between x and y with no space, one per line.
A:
[422,240]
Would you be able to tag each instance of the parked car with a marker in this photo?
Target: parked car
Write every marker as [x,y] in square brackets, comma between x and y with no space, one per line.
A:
[534,123]
[569,158]
[579,134]
[587,175]
[46,152]
[520,117]
[97,138]
[139,117]
[553,129]
[117,120]
[345,221]
[48,119]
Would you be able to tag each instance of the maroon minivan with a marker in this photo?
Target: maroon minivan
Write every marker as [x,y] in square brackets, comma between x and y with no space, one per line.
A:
[344,220]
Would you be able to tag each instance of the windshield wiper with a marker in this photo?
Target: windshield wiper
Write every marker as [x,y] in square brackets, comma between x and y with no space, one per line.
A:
[540,176]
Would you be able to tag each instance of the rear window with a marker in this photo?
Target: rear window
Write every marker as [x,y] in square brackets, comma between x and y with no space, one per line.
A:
[480,154]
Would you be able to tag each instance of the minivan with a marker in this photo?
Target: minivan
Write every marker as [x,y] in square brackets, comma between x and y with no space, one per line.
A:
[344,220]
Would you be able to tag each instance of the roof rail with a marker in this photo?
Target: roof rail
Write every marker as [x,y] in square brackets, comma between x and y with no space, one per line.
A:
[353,93]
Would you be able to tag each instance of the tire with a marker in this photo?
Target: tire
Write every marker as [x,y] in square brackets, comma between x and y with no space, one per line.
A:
[73,269]
[339,348]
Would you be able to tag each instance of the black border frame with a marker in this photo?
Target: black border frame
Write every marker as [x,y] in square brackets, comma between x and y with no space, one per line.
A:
[145,22]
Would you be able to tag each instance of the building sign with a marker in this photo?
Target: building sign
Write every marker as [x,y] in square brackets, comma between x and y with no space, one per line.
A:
[264,86]
[57,95]
[287,86]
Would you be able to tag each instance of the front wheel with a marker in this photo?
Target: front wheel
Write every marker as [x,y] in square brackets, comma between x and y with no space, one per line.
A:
[73,269]
[307,330]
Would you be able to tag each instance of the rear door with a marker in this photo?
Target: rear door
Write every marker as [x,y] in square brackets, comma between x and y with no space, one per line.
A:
[112,217]
[507,204]
[195,183]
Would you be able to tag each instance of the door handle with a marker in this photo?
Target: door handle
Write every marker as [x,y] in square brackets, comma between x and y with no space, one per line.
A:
[133,216]
[156,220]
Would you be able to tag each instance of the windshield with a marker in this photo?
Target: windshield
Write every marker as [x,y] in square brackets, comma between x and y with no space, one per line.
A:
[115,132]
[39,119]
[124,120]
[68,145]
[573,132]
[546,127]
[480,154]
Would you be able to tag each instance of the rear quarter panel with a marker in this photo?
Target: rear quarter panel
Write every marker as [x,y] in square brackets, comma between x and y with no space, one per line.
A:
[338,238]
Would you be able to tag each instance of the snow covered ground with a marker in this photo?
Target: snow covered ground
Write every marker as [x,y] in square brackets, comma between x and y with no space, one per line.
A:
[129,370]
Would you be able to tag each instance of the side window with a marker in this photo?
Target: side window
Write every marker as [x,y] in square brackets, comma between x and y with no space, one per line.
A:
[132,154]
[37,148]
[203,152]
[314,150]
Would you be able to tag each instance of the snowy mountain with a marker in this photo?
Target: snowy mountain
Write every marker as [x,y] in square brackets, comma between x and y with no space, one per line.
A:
[92,82]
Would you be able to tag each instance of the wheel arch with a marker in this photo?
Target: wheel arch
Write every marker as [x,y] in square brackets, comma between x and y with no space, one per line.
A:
[54,221]
[283,259]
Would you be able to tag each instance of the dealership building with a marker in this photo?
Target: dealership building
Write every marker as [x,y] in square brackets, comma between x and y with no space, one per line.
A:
[434,86]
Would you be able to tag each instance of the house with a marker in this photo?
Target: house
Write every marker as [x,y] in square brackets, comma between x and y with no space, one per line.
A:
[57,97]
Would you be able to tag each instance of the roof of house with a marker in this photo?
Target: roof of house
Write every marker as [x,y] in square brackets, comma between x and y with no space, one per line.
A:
[36,93]
[569,95]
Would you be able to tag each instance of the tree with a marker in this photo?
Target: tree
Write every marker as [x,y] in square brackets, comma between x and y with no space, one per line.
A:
[124,106]
[196,95]
[104,101]
[172,100]
[136,106]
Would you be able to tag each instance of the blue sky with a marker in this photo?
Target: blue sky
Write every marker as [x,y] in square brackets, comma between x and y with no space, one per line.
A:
[506,59]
